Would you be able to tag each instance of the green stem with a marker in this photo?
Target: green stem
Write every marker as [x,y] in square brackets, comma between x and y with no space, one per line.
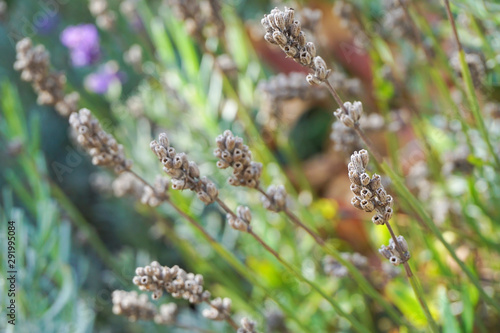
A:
[417,289]
[413,280]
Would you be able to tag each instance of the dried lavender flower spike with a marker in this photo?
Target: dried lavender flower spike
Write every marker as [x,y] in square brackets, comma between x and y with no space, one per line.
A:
[350,113]
[220,309]
[180,284]
[34,65]
[133,306]
[233,153]
[173,280]
[247,326]
[184,173]
[154,196]
[283,30]
[392,254]
[167,314]
[105,18]
[102,146]
[369,194]
[275,198]
[240,221]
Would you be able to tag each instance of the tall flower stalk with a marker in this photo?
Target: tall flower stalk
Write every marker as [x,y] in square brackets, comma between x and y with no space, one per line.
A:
[371,196]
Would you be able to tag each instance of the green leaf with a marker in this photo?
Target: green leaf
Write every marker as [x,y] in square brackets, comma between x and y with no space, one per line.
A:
[450,323]
[468,308]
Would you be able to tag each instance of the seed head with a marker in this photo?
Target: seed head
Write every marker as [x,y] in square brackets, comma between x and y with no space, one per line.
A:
[282,29]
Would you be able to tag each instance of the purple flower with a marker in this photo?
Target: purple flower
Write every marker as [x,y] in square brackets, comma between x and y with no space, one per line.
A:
[83,43]
[100,81]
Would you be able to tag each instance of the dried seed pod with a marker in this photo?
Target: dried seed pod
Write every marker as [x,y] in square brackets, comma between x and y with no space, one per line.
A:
[279,38]
[356,189]
[376,182]
[366,194]
[356,202]
[378,219]
[385,251]
[311,49]
[364,179]
[367,206]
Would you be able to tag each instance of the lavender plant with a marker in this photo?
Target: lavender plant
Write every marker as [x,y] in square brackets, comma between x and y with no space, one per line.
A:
[415,93]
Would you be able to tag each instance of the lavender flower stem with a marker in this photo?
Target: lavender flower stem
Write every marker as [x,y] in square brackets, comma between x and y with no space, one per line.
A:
[414,282]
[420,296]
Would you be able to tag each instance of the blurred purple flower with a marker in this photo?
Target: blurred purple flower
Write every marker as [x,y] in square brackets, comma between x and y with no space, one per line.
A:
[83,43]
[100,81]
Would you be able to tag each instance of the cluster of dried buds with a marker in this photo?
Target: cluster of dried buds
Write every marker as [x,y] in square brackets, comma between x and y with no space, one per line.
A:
[105,18]
[240,221]
[180,284]
[247,326]
[233,153]
[369,193]
[396,253]
[153,196]
[395,20]
[346,139]
[128,184]
[350,113]
[220,309]
[203,19]
[275,198]
[34,65]
[138,307]
[185,174]
[174,280]
[132,305]
[282,29]
[101,146]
